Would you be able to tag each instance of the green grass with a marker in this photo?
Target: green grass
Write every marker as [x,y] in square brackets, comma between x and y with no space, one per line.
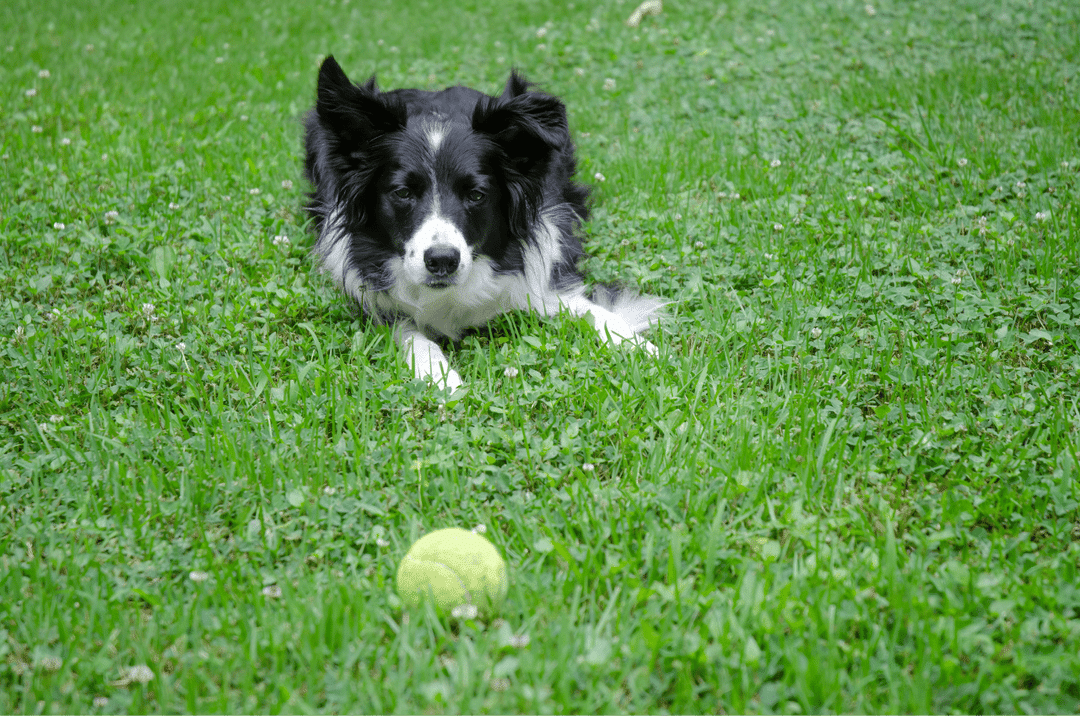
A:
[849,484]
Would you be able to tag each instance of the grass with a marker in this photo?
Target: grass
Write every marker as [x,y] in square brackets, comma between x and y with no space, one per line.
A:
[849,483]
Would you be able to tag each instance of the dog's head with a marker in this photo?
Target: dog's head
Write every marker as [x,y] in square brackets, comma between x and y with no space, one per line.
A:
[436,179]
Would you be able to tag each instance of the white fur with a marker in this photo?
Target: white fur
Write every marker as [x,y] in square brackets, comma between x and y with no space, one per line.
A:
[436,132]
[425,357]
[333,250]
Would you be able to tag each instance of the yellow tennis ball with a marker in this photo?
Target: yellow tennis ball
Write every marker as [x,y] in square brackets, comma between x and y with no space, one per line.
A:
[453,567]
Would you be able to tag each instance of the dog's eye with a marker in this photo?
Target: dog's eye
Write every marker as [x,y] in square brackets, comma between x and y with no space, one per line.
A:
[475,196]
[403,193]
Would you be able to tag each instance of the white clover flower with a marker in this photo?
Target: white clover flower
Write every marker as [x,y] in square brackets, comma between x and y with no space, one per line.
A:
[37,129]
[541,33]
[219,60]
[173,206]
[869,190]
[382,542]
[699,245]
[464,611]
[101,701]
[254,192]
[286,184]
[329,490]
[1064,165]
[271,590]
[182,347]
[32,92]
[50,663]
[777,227]
[198,576]
[65,142]
[957,280]
[579,71]
[282,240]
[59,226]
[510,372]
[1042,215]
[962,162]
[609,84]
[587,467]
[520,641]
[479,529]
[43,74]
[148,310]
[140,673]
[599,177]
[815,333]
[851,197]
[736,195]
[769,257]
[775,163]
[870,10]
[1021,184]
[111,217]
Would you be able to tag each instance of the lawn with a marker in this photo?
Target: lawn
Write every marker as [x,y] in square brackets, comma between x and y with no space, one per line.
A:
[847,484]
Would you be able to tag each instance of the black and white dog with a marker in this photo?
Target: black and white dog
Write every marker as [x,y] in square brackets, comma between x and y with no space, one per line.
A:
[438,211]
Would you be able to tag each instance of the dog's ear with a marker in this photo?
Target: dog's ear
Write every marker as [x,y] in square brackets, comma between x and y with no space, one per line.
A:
[528,127]
[517,84]
[531,130]
[356,114]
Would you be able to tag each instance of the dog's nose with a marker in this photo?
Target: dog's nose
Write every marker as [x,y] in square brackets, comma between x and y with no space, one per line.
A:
[442,260]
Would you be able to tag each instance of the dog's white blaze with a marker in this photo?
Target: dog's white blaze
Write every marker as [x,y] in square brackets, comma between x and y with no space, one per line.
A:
[436,133]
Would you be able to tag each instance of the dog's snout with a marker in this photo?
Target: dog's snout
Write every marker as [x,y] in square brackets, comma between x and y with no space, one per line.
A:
[442,260]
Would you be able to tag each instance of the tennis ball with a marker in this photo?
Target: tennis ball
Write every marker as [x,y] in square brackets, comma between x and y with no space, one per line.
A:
[453,567]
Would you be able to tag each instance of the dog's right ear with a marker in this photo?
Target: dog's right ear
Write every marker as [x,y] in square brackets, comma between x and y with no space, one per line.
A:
[356,114]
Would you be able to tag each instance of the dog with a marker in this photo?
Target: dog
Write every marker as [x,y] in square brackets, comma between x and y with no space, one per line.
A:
[438,211]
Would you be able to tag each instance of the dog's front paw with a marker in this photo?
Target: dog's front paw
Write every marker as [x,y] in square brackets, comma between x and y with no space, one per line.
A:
[641,343]
[648,347]
[448,381]
[617,333]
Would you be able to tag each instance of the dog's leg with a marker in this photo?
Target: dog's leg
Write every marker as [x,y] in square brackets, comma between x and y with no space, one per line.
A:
[611,326]
[425,357]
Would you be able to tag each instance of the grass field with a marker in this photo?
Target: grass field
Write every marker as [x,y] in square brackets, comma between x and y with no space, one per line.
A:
[848,484]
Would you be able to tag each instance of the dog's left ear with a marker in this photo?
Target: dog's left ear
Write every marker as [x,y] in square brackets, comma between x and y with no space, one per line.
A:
[527,126]
[531,130]
[517,84]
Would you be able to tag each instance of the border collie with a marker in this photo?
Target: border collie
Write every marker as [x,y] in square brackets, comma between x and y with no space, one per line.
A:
[437,211]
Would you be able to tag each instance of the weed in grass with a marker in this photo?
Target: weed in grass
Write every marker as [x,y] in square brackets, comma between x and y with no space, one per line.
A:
[848,484]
